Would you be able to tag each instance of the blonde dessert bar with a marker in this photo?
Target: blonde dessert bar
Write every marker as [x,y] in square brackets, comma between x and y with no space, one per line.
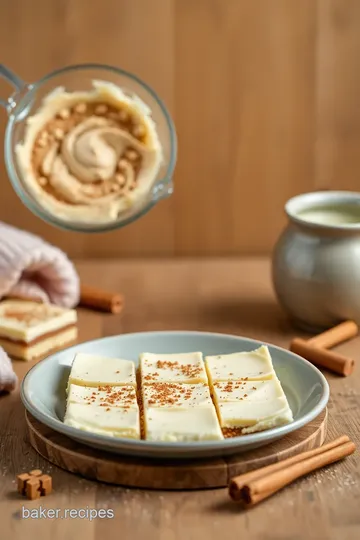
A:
[247,394]
[176,398]
[30,330]
[253,365]
[241,417]
[110,421]
[105,410]
[176,424]
[174,368]
[93,370]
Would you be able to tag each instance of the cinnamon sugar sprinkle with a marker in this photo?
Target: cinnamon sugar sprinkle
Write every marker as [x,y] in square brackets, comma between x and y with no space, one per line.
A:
[169,393]
[123,396]
[231,432]
[230,386]
[30,315]
[190,371]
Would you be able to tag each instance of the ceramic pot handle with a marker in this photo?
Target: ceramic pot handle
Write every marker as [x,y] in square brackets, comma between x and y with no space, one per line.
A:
[15,81]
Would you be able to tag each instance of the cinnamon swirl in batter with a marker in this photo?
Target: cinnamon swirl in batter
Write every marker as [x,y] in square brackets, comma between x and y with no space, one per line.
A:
[89,156]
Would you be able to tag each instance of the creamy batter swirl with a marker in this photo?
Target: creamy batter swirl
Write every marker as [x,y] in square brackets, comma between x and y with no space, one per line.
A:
[89,156]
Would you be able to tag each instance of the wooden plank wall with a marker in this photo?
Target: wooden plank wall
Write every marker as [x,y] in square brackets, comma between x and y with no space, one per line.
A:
[265,95]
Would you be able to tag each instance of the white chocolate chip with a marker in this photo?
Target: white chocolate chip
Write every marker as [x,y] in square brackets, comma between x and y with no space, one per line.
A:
[132,155]
[80,108]
[43,138]
[123,116]
[123,165]
[113,116]
[106,188]
[120,178]
[58,134]
[49,158]
[115,188]
[64,114]
[138,131]
[101,109]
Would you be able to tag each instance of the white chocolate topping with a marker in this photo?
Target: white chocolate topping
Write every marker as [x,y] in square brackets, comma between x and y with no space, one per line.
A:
[179,368]
[176,395]
[110,421]
[253,365]
[247,390]
[179,425]
[92,370]
[103,396]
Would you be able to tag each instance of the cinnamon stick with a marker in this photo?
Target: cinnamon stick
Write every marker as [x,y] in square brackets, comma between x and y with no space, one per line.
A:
[251,488]
[322,357]
[90,297]
[338,334]
[101,300]
[239,481]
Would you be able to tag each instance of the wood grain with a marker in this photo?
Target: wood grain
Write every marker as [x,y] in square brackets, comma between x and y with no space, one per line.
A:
[337,90]
[264,96]
[233,296]
[159,474]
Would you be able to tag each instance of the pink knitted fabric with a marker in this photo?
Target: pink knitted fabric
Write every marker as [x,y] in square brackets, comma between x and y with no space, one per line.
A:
[8,379]
[32,268]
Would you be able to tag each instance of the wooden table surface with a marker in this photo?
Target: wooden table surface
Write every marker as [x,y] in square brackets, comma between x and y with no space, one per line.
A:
[232,296]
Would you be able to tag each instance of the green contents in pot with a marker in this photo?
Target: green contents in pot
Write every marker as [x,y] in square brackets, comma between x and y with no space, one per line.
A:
[336,214]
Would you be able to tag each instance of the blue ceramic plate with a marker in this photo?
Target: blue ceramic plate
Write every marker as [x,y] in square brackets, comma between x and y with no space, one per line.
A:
[43,390]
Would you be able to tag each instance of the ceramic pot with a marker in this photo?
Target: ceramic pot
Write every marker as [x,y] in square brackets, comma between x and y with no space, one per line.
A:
[316,261]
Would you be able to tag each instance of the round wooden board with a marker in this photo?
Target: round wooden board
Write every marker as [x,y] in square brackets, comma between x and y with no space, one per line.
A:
[165,474]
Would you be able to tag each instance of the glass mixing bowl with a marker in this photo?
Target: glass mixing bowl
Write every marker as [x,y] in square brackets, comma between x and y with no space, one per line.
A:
[28,98]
